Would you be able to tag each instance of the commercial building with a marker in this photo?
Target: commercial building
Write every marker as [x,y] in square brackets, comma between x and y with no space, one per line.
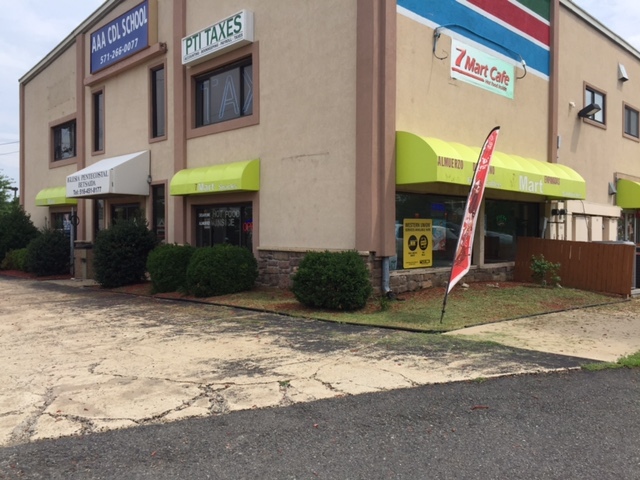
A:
[286,127]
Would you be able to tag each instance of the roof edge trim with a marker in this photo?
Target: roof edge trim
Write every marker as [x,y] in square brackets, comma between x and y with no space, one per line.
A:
[101,12]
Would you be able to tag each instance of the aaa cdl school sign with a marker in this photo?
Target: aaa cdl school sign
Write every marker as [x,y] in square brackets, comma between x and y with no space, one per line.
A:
[234,31]
[482,70]
[120,38]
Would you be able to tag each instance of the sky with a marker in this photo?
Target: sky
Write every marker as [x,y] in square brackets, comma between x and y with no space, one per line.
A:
[29,29]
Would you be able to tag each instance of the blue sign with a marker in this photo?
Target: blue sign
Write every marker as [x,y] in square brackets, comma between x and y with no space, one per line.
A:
[120,38]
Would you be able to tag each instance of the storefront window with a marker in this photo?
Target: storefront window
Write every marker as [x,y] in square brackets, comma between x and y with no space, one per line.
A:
[62,223]
[446,214]
[232,224]
[627,230]
[505,221]
[130,211]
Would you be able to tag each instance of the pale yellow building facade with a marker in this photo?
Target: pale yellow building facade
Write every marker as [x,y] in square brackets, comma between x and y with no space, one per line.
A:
[327,125]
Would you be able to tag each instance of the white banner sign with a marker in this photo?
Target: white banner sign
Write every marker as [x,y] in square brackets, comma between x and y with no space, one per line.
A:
[234,31]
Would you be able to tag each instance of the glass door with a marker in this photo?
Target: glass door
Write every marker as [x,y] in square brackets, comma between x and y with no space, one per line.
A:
[627,228]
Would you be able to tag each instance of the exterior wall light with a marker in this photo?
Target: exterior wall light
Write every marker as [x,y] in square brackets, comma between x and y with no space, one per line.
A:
[622,73]
[589,110]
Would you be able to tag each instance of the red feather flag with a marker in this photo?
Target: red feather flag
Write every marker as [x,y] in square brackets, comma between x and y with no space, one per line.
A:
[462,259]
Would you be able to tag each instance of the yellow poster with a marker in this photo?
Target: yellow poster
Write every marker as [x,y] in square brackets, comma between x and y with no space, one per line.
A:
[418,243]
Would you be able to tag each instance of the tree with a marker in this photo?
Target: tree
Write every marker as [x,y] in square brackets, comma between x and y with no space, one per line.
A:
[16,229]
[7,195]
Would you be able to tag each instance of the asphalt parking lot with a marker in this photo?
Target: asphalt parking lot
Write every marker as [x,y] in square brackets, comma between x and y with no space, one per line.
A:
[79,360]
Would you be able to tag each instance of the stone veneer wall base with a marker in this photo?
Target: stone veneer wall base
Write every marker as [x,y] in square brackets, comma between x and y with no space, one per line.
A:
[276,269]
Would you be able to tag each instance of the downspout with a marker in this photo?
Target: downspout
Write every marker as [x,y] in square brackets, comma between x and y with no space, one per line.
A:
[554,82]
[386,290]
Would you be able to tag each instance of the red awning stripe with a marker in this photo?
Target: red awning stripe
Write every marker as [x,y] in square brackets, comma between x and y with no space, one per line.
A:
[515,15]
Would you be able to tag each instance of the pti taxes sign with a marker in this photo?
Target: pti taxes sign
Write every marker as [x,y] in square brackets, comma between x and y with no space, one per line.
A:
[232,32]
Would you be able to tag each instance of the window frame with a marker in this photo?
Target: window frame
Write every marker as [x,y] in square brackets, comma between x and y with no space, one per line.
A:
[157,211]
[153,108]
[593,92]
[131,209]
[626,107]
[53,163]
[227,60]
[99,215]
[97,121]
[246,239]
[240,66]
[57,212]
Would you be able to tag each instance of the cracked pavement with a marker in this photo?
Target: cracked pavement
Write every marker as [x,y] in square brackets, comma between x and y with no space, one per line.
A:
[78,361]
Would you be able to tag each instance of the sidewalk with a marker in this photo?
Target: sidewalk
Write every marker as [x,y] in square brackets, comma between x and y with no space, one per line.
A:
[603,333]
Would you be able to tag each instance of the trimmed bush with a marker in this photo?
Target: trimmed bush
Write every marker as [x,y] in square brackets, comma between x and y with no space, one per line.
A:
[16,229]
[167,266]
[334,280]
[543,271]
[120,253]
[220,270]
[15,260]
[48,254]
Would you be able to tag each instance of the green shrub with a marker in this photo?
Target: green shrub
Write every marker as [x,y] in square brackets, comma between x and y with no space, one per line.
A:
[48,254]
[167,266]
[120,253]
[16,229]
[335,280]
[15,260]
[543,271]
[220,270]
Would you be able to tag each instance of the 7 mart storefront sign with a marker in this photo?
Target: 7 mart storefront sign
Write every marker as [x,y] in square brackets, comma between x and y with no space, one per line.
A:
[482,70]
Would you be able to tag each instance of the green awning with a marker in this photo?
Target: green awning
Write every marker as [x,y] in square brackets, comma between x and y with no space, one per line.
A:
[628,193]
[51,197]
[422,160]
[228,177]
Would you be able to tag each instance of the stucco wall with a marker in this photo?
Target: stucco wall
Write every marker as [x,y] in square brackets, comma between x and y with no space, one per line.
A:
[49,97]
[305,138]
[127,102]
[586,55]
[432,104]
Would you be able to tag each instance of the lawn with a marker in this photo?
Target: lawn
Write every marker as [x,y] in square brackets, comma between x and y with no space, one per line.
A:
[421,311]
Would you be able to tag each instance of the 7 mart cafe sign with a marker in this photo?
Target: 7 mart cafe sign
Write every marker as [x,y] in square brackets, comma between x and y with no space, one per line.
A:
[418,243]
[482,70]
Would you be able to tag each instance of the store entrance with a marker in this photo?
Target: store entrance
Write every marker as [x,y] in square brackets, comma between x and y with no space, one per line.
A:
[628,231]
[627,227]
[130,211]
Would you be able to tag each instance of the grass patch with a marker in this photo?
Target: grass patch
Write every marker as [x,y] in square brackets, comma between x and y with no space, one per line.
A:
[418,311]
[630,361]
[480,303]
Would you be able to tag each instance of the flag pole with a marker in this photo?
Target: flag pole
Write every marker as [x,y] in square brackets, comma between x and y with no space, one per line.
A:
[462,259]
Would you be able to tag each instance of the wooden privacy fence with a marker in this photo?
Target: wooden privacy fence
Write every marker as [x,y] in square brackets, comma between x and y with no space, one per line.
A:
[596,267]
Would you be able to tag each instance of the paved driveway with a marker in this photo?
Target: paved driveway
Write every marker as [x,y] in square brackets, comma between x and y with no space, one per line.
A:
[76,361]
